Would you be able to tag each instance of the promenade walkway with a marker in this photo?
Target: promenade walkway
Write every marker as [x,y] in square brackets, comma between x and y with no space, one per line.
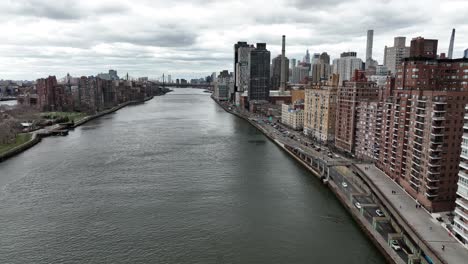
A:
[428,228]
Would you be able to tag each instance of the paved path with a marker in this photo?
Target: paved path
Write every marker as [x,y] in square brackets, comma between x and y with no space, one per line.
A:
[428,228]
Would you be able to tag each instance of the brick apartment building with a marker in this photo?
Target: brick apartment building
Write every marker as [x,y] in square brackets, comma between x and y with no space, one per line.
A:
[422,127]
[368,130]
[320,112]
[348,98]
[52,96]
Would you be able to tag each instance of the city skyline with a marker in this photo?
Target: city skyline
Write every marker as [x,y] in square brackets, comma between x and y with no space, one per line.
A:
[187,39]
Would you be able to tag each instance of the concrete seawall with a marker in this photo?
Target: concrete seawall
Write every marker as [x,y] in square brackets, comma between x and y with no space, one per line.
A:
[37,138]
[389,256]
[15,151]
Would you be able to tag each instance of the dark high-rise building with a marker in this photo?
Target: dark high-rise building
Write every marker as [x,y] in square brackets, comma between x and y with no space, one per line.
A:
[259,73]
[276,76]
[425,48]
[238,45]
[325,58]
[348,54]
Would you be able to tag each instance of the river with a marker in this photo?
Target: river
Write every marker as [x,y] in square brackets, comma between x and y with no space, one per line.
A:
[174,180]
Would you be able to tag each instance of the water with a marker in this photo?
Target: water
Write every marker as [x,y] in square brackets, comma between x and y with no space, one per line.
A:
[174,180]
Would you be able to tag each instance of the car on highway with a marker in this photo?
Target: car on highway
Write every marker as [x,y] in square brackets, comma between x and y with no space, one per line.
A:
[379,213]
[394,244]
[358,205]
[344,184]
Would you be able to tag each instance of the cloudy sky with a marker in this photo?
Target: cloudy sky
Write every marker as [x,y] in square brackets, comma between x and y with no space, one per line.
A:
[192,38]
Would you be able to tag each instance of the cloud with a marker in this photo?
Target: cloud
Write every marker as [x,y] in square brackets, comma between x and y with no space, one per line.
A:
[196,37]
[59,10]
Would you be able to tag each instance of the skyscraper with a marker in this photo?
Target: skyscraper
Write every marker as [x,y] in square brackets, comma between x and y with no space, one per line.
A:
[284,70]
[236,60]
[306,57]
[242,68]
[370,40]
[259,66]
[321,69]
[276,72]
[465,54]
[346,65]
[452,40]
[394,55]
[315,58]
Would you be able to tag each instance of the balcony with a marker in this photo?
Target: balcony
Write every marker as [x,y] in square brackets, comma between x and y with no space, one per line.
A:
[438,116]
[459,231]
[434,156]
[438,109]
[459,212]
[438,124]
[420,120]
[431,194]
[432,187]
[416,168]
[440,102]
[437,132]
[414,174]
[462,204]
[418,141]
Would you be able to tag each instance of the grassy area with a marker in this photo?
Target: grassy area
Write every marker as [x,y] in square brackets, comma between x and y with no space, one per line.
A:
[75,116]
[20,139]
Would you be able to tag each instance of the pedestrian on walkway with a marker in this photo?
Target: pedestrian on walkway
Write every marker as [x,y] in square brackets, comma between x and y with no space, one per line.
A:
[443,247]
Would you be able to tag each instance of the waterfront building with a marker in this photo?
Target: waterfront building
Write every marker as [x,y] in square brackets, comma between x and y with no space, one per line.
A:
[394,55]
[276,72]
[259,70]
[239,44]
[465,54]
[52,96]
[320,110]
[461,203]
[222,86]
[349,95]
[345,66]
[368,130]
[242,69]
[422,128]
[292,116]
[425,48]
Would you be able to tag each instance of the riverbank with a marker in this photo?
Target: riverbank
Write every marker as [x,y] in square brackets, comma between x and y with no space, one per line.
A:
[381,245]
[37,136]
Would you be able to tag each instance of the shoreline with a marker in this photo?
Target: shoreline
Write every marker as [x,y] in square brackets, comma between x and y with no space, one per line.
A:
[378,242]
[36,138]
